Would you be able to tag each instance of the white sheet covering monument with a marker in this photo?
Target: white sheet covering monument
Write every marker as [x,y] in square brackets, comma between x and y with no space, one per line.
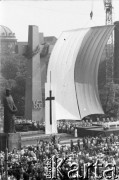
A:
[72,75]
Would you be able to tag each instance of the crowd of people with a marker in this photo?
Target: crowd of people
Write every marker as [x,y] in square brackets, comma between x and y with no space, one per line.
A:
[62,126]
[27,125]
[22,124]
[33,162]
[70,126]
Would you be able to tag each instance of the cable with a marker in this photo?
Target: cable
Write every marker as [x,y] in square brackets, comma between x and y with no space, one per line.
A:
[91,13]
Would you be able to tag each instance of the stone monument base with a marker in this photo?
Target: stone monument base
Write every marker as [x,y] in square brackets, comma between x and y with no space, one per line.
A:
[11,140]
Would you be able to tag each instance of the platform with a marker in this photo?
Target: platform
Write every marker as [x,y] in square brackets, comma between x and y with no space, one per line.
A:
[32,137]
[96,131]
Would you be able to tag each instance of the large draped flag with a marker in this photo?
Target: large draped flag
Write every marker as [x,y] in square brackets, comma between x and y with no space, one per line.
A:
[72,74]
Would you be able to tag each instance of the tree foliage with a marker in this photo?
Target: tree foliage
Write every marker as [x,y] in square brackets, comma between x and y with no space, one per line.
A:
[109,96]
[108,92]
[13,71]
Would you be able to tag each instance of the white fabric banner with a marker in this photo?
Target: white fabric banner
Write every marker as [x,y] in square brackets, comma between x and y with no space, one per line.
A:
[73,65]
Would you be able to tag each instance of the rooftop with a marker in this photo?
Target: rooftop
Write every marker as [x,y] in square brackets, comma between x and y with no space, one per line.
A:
[5,32]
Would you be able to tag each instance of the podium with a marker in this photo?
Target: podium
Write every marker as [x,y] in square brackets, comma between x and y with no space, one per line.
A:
[11,140]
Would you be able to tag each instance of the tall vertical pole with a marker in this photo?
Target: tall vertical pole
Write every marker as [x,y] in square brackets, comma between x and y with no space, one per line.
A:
[6,159]
[50,93]
[50,98]
[50,80]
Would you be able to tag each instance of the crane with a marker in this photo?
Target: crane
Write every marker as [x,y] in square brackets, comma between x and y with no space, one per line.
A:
[109,49]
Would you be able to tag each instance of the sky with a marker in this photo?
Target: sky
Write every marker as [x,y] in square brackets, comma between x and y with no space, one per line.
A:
[53,17]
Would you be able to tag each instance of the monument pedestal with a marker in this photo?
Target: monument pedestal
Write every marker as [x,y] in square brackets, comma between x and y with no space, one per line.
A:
[12,140]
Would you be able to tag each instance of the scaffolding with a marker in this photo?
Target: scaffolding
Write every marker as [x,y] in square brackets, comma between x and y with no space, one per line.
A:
[109,50]
[109,45]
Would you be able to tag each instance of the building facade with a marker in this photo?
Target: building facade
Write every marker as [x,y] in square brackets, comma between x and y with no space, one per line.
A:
[8,40]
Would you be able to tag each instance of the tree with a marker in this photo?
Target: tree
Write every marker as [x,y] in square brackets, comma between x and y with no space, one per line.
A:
[13,70]
[109,96]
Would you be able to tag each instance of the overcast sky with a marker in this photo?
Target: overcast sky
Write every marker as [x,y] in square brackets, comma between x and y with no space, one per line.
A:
[53,17]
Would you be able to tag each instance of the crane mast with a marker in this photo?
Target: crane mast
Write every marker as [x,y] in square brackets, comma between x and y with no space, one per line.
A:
[109,47]
[109,51]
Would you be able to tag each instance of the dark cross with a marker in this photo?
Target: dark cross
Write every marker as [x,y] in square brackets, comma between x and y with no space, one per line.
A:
[50,98]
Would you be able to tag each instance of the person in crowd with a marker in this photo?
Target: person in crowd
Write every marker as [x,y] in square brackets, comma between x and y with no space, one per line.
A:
[32,162]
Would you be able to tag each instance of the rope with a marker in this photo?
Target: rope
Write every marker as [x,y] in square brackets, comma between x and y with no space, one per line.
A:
[91,13]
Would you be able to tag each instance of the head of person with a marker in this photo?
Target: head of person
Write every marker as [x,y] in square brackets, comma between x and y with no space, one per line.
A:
[8,92]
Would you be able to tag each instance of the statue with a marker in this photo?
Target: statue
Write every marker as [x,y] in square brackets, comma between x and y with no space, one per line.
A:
[9,113]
